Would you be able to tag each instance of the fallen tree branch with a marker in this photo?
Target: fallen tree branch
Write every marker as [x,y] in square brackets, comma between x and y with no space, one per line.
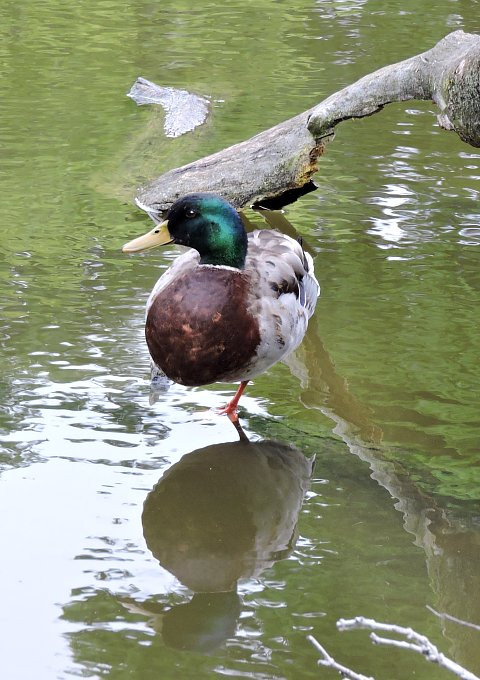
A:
[278,164]
[448,74]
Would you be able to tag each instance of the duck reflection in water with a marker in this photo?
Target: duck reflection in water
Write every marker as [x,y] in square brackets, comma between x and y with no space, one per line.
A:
[222,513]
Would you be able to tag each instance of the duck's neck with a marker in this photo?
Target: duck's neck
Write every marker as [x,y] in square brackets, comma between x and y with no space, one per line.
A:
[227,246]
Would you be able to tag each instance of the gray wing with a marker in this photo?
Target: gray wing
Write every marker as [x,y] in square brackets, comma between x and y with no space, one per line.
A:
[284,266]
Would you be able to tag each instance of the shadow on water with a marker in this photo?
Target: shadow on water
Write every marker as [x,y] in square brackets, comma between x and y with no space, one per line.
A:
[222,513]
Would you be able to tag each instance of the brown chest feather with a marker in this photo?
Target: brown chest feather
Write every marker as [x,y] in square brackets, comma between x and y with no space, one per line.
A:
[199,329]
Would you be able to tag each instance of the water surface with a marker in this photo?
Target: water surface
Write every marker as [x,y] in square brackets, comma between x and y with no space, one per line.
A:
[383,391]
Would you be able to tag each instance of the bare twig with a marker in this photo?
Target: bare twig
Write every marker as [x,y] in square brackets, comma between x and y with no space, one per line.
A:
[330,662]
[449,617]
[414,641]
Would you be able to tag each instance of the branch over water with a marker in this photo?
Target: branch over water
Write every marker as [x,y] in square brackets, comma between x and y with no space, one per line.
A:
[279,163]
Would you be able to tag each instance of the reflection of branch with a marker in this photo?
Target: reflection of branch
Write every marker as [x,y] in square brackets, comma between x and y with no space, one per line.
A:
[444,616]
[330,662]
[323,387]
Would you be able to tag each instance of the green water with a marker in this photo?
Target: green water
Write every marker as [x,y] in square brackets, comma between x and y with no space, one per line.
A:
[384,389]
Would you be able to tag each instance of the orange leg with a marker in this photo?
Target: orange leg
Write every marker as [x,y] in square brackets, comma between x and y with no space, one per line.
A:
[231,408]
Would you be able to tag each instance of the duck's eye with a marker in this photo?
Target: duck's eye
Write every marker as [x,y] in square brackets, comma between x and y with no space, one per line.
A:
[189,212]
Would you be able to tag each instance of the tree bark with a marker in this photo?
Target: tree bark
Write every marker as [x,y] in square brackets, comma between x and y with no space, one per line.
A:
[276,166]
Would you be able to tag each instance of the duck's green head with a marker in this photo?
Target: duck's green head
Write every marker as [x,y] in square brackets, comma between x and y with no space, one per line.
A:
[205,222]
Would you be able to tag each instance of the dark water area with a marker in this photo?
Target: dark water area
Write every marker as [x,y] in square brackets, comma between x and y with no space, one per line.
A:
[139,538]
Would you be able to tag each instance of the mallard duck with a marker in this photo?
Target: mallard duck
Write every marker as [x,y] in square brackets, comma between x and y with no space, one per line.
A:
[231,306]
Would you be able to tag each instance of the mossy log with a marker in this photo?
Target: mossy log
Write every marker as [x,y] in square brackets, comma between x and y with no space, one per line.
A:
[276,166]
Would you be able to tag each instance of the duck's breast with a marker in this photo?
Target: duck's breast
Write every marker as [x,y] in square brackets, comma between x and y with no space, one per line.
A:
[199,329]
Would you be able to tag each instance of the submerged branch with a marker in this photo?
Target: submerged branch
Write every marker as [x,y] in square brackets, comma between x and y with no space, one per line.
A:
[280,162]
[184,111]
[414,641]
[330,662]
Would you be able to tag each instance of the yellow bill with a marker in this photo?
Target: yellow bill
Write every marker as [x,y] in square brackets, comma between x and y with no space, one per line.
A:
[158,236]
